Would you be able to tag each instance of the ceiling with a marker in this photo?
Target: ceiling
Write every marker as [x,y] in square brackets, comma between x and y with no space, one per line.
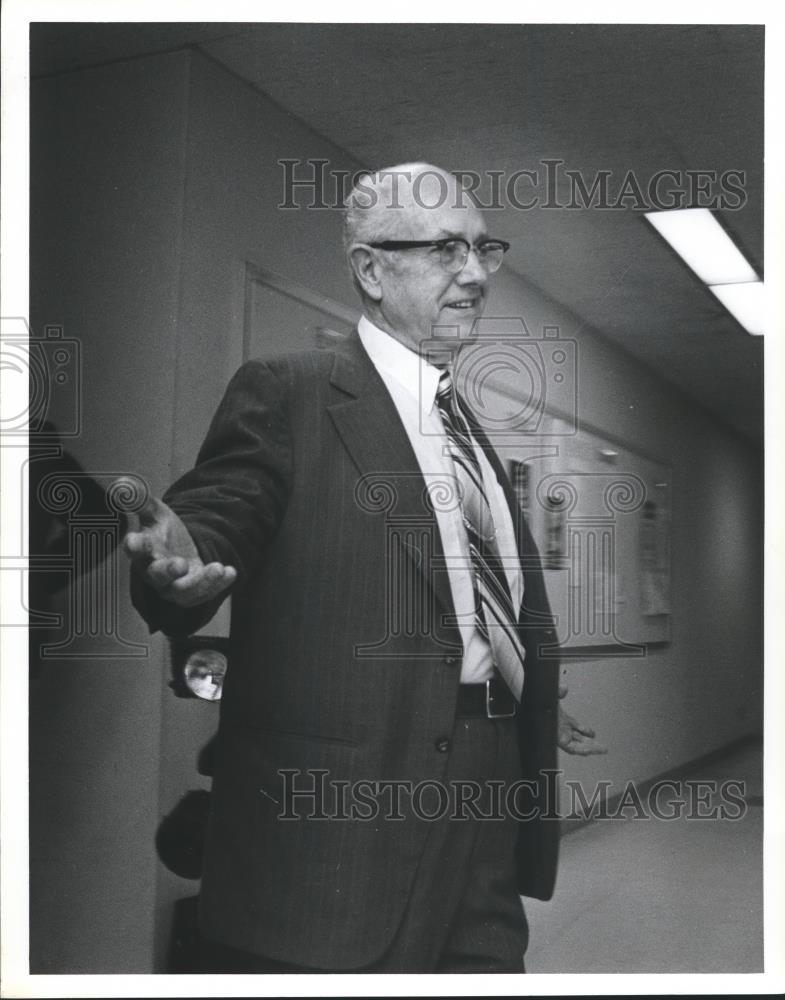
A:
[616,98]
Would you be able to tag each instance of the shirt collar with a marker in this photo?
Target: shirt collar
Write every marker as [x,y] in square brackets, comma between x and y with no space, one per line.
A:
[406,366]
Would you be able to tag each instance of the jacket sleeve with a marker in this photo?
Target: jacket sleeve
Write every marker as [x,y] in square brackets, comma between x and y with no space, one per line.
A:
[234,498]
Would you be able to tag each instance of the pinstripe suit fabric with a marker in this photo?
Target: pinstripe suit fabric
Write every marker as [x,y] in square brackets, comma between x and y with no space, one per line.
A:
[308,484]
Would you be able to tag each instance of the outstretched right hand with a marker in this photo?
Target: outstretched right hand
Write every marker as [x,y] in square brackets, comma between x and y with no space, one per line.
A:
[165,556]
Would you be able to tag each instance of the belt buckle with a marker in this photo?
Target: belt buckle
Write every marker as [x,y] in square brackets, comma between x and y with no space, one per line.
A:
[489,712]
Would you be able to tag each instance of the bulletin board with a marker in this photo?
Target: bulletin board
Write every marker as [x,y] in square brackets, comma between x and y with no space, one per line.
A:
[600,513]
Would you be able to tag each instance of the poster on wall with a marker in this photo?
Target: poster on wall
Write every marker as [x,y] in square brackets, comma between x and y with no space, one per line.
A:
[600,515]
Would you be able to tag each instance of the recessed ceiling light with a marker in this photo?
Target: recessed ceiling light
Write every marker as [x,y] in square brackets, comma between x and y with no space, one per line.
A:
[745,301]
[703,244]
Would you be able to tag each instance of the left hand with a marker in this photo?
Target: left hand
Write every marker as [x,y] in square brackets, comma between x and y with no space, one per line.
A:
[574,737]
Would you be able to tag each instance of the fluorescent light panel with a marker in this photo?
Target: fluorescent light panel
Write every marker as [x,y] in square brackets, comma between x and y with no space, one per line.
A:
[745,302]
[703,244]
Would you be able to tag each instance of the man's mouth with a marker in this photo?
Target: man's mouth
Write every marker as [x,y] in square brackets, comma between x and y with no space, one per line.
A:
[463,304]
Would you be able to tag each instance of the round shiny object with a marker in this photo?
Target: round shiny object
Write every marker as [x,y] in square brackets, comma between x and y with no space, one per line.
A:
[204,673]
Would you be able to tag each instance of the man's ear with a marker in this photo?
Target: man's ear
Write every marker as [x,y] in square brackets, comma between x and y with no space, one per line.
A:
[367,270]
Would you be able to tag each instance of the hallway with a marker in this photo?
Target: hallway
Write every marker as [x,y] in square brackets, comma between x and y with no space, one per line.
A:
[653,896]
[184,189]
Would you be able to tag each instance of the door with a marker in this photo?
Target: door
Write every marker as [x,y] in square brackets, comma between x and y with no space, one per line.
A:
[279,317]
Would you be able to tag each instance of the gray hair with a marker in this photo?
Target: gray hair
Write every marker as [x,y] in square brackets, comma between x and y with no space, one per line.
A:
[369,209]
[368,205]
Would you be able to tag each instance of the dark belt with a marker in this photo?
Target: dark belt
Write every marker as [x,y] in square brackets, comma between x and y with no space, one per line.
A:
[492,700]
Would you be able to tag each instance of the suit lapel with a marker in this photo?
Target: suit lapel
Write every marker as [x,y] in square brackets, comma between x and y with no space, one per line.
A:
[373,434]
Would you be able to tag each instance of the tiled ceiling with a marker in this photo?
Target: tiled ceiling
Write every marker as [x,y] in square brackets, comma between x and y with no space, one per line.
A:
[480,97]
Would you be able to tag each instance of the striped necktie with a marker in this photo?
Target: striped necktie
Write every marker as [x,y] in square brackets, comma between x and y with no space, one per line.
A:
[495,615]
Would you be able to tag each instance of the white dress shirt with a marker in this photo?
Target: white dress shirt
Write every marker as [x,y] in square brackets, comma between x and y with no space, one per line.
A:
[412,383]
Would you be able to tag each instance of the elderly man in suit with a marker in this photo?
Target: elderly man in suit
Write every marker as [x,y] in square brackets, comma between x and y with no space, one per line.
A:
[383,790]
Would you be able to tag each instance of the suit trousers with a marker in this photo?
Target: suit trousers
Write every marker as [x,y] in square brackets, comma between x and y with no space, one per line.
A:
[464,913]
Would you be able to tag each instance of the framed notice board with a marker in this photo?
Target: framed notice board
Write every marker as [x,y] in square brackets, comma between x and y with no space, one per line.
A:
[600,513]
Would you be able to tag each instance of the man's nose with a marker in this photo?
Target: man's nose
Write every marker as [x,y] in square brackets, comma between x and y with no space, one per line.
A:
[473,271]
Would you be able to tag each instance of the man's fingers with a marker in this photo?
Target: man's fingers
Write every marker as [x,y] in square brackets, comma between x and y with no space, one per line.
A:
[161,569]
[587,749]
[582,748]
[581,736]
[584,730]
[161,535]
[138,545]
[202,584]
[576,738]
[566,723]
[161,572]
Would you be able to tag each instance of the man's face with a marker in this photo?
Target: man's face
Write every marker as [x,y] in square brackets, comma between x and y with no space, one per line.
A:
[420,298]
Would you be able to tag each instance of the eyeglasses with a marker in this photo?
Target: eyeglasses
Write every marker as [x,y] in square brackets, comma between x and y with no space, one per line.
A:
[454,251]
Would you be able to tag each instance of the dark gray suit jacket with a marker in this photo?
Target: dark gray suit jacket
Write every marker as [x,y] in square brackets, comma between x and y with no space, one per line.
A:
[341,660]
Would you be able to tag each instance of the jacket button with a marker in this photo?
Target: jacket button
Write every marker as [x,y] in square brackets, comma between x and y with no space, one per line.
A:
[442,744]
